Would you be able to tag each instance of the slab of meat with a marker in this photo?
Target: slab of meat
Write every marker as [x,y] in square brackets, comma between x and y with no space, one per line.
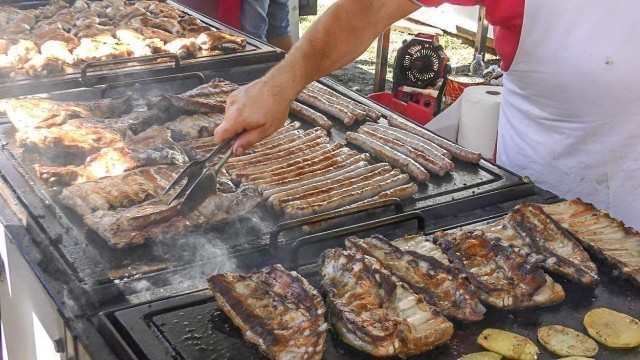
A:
[374,312]
[432,164]
[155,219]
[505,277]
[213,39]
[121,191]
[440,284]
[79,138]
[563,255]
[310,116]
[276,310]
[389,155]
[42,113]
[600,234]
[190,127]
[204,99]
[421,244]
[152,147]
[456,150]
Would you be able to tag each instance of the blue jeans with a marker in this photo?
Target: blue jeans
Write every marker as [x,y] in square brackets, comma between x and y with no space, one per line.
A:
[265,19]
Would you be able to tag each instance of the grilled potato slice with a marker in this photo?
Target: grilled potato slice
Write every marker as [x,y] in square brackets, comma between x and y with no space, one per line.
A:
[564,341]
[483,355]
[612,328]
[508,344]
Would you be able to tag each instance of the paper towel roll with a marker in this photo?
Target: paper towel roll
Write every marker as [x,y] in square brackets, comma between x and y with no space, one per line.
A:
[479,112]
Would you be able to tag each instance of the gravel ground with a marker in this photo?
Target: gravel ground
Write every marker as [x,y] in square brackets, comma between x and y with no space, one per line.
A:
[358,75]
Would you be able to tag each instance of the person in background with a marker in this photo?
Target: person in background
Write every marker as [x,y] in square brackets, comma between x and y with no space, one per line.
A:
[570,112]
[267,20]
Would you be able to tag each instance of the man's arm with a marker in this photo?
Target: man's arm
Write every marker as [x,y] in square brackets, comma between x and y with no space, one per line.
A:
[345,31]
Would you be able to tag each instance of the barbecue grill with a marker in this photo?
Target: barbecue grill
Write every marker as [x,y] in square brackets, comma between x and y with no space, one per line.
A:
[257,56]
[91,282]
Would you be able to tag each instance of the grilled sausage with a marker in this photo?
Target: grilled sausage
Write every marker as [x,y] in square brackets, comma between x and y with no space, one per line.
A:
[425,161]
[412,140]
[309,136]
[311,116]
[257,165]
[329,202]
[456,150]
[359,114]
[389,155]
[371,113]
[341,114]
[339,172]
[330,157]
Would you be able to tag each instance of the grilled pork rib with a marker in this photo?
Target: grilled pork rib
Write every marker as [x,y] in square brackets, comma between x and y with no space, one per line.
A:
[44,113]
[375,312]
[441,285]
[505,277]
[155,219]
[152,147]
[601,234]
[276,310]
[563,255]
[204,99]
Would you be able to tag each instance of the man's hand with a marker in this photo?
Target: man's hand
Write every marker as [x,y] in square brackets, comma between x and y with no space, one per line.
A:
[255,110]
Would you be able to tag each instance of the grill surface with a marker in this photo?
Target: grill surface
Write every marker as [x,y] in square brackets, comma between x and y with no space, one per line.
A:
[256,53]
[193,327]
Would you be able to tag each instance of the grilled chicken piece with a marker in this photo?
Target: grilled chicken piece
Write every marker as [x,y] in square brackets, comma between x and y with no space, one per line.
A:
[190,127]
[129,13]
[600,234]
[151,33]
[92,49]
[22,52]
[163,10]
[144,5]
[138,43]
[80,5]
[169,25]
[185,48]
[441,285]
[144,21]
[122,191]
[421,244]
[114,11]
[15,29]
[62,22]
[42,65]
[156,220]
[54,7]
[58,50]
[80,138]
[95,33]
[5,44]
[505,277]
[70,41]
[374,312]
[276,310]
[563,255]
[204,99]
[152,147]
[192,21]
[43,113]
[211,39]
[99,8]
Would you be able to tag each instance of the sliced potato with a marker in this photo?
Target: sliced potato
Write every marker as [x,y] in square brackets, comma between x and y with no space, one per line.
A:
[576,358]
[483,355]
[612,328]
[564,341]
[508,344]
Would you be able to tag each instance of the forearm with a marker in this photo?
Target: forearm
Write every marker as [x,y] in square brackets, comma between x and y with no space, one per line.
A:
[339,36]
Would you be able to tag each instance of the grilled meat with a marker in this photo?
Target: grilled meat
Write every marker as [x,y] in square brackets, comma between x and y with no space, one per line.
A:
[600,234]
[58,50]
[151,147]
[547,238]
[86,136]
[42,113]
[421,244]
[96,49]
[22,52]
[374,312]
[212,39]
[41,65]
[5,45]
[276,310]
[204,99]
[7,66]
[151,33]
[185,48]
[505,277]
[440,284]
[128,189]
[155,219]
[190,127]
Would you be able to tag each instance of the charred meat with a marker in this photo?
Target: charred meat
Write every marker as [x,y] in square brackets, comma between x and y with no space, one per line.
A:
[505,277]
[204,99]
[374,312]
[276,310]
[440,284]
[601,234]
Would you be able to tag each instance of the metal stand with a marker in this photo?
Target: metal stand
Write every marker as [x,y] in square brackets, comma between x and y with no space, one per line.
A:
[481,33]
[382,58]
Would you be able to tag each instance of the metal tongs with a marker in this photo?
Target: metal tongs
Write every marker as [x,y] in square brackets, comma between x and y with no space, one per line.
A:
[201,178]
